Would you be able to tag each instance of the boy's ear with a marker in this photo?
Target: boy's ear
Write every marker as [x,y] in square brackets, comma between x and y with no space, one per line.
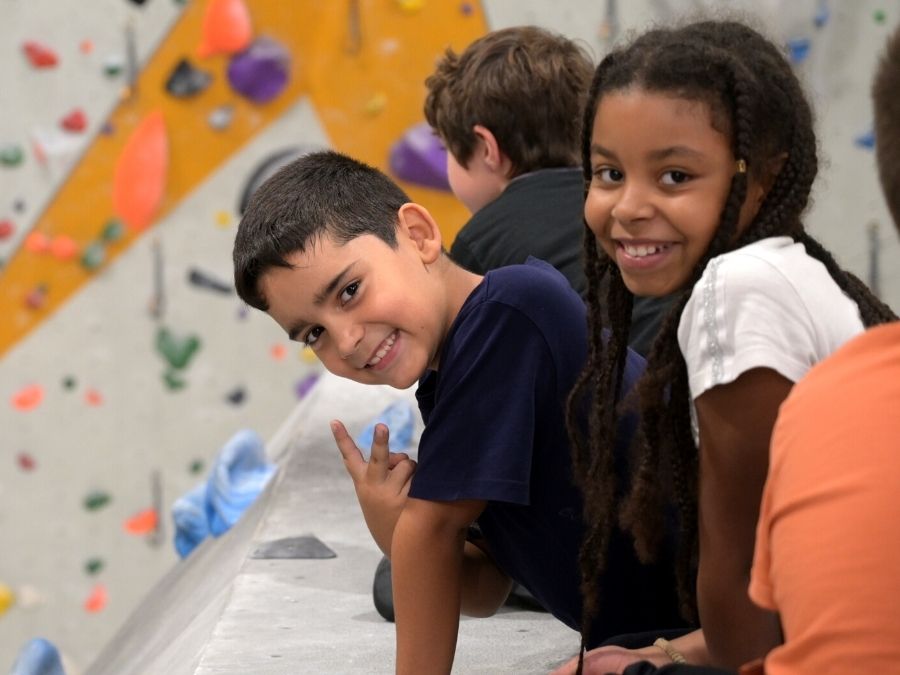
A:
[417,226]
[490,152]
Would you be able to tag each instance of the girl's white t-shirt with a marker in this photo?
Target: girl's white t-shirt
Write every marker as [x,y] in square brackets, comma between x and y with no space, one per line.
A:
[766,305]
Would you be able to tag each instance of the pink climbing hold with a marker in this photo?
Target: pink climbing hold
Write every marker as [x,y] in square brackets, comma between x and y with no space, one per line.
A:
[75,121]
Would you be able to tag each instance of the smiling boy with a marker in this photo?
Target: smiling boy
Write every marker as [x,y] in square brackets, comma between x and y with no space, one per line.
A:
[344,262]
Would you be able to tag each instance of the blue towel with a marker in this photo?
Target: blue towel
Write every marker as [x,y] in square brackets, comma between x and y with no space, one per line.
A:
[238,475]
[38,657]
[399,419]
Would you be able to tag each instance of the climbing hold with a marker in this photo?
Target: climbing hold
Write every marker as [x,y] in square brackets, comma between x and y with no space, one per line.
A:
[226,28]
[201,279]
[865,140]
[143,522]
[308,355]
[97,599]
[93,397]
[63,247]
[176,350]
[113,65]
[39,55]
[376,104]
[278,352]
[19,205]
[420,158]
[260,72]
[466,9]
[236,396]
[69,383]
[798,50]
[139,181]
[879,15]
[75,121]
[223,219]
[173,380]
[410,6]
[86,47]
[186,80]
[25,461]
[7,598]
[93,256]
[11,155]
[823,14]
[36,297]
[112,231]
[6,229]
[93,566]
[220,118]
[382,590]
[28,398]
[304,386]
[96,500]
[196,466]
[37,242]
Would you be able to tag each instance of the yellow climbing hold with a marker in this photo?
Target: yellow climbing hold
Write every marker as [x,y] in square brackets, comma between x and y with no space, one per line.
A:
[223,219]
[411,6]
[7,598]
[376,105]
[308,355]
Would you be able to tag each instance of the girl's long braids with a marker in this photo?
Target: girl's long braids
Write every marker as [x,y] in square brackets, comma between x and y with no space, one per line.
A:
[756,99]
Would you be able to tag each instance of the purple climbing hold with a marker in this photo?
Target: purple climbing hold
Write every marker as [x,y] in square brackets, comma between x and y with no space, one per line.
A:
[420,158]
[304,386]
[261,71]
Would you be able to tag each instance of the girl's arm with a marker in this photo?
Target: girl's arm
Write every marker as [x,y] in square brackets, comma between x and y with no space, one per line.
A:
[430,567]
[736,422]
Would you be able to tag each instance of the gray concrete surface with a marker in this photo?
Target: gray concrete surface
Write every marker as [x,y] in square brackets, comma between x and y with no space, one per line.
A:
[223,612]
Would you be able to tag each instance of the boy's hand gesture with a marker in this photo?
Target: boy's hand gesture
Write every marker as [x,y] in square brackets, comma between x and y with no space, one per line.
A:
[381,484]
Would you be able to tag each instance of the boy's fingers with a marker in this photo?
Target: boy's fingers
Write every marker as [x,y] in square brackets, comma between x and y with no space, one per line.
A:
[349,452]
[402,473]
[380,452]
[396,458]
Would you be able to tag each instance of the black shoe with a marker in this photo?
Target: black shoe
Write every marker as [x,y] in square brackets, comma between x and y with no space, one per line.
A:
[382,591]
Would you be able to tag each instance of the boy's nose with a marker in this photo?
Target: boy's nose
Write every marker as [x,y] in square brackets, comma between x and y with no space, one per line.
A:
[349,339]
[633,205]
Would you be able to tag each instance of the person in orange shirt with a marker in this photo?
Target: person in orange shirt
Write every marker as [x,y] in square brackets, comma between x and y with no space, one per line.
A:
[828,538]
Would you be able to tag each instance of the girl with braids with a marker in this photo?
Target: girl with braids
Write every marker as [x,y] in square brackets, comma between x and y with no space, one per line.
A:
[699,155]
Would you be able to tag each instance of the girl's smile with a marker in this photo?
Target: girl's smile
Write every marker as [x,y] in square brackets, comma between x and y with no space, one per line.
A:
[661,174]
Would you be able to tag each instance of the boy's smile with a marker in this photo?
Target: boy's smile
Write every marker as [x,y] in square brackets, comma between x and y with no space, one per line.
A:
[372,313]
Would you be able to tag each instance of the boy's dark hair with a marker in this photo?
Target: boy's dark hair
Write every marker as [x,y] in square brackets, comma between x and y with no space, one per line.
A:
[319,194]
[886,96]
[757,101]
[527,85]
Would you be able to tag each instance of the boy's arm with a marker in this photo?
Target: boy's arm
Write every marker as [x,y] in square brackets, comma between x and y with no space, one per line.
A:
[428,569]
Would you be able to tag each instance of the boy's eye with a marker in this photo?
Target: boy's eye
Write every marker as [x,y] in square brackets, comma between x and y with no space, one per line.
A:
[675,178]
[313,335]
[348,293]
[609,175]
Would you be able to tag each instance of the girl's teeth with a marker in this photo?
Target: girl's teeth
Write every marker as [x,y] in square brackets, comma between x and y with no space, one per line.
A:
[641,251]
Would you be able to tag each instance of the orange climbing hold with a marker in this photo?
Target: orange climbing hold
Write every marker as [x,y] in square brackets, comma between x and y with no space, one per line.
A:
[143,522]
[140,177]
[226,28]
[28,398]
[63,247]
[97,600]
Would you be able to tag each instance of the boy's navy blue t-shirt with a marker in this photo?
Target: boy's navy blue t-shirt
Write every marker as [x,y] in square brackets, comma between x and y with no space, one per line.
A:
[495,431]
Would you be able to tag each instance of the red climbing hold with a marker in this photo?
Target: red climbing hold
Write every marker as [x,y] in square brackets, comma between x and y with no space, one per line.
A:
[39,55]
[75,121]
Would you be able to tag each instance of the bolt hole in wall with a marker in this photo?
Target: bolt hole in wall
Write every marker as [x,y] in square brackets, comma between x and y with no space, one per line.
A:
[126,360]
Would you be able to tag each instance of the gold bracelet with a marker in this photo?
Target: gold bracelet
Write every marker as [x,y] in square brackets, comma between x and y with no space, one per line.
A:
[671,652]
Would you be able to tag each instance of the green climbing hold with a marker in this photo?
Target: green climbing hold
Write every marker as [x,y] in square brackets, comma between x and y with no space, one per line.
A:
[11,155]
[96,500]
[173,381]
[69,383]
[880,16]
[178,351]
[93,256]
[196,466]
[112,231]
[93,566]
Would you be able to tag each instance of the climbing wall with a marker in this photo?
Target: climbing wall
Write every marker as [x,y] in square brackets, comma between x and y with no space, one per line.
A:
[130,133]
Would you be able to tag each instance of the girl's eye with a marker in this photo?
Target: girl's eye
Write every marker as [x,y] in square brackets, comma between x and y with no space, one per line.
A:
[348,293]
[313,335]
[609,175]
[675,178]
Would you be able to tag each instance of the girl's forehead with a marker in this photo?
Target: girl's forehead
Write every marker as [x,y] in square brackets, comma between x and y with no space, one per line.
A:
[670,103]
